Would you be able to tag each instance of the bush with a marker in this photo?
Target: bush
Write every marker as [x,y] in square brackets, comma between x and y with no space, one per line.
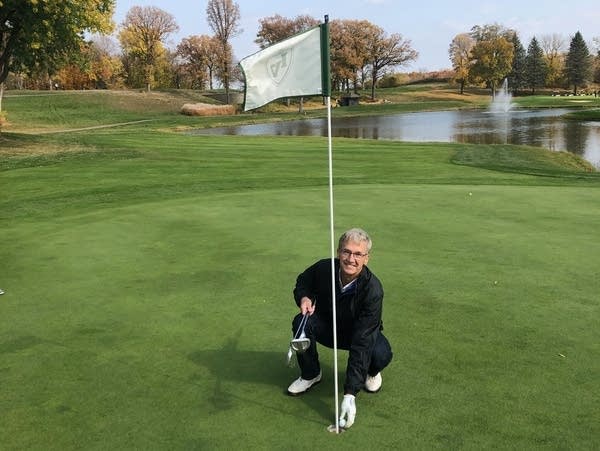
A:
[393,81]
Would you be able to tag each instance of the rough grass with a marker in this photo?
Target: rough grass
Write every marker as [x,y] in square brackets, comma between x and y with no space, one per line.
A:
[34,112]
[523,159]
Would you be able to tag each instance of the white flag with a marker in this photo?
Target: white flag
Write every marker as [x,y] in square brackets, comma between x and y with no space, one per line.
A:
[289,68]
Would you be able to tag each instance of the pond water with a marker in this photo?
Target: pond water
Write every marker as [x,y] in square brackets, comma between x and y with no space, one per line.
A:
[542,128]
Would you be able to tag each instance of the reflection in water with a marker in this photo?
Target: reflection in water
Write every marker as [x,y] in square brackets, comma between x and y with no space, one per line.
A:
[592,147]
[575,135]
[542,128]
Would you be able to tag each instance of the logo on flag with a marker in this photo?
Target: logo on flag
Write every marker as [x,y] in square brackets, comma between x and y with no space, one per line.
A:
[280,64]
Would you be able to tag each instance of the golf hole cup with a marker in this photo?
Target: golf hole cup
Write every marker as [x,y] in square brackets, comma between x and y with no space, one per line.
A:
[331,428]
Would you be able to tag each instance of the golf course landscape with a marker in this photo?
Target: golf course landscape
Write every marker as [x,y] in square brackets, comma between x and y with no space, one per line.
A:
[148,275]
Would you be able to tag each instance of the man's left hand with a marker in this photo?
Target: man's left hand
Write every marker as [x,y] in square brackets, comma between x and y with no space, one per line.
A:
[348,411]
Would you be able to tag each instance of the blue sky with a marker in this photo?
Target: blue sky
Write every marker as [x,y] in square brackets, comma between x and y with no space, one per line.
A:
[430,26]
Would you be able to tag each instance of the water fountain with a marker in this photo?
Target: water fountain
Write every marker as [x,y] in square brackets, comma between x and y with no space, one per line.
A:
[502,102]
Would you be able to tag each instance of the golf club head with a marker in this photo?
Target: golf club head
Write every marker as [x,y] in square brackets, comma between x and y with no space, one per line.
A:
[289,358]
[300,344]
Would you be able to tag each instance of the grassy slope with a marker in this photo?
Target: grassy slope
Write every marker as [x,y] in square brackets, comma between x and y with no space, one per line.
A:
[50,111]
[148,279]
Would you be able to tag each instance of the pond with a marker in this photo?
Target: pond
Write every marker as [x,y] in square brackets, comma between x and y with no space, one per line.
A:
[540,127]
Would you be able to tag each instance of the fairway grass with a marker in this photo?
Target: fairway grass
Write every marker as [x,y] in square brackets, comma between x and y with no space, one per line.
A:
[149,275]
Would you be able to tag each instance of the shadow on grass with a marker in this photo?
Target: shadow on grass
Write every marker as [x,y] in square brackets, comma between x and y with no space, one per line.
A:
[19,344]
[247,367]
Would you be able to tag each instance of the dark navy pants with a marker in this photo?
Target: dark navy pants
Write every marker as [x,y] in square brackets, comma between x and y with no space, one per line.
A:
[321,331]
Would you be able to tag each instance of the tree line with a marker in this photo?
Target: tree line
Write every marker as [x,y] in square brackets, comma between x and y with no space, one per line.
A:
[361,52]
[489,54]
[47,45]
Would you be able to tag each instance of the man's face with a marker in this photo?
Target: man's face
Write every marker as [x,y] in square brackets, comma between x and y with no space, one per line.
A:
[353,256]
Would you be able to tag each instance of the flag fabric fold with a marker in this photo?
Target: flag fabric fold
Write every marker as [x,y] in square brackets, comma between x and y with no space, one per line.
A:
[290,68]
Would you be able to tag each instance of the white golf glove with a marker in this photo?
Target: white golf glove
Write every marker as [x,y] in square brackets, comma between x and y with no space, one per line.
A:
[347,411]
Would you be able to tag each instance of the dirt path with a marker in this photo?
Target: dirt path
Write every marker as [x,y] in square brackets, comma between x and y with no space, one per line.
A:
[93,127]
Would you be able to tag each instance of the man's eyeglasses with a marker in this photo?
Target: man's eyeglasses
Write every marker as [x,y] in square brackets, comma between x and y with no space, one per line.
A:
[348,253]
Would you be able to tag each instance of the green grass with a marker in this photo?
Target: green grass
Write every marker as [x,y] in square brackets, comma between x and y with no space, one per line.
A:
[35,111]
[585,115]
[545,101]
[148,280]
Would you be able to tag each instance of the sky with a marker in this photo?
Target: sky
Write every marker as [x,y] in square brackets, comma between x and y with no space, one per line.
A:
[429,26]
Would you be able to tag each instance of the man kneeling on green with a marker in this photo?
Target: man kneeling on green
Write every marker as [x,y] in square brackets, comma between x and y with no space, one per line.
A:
[359,302]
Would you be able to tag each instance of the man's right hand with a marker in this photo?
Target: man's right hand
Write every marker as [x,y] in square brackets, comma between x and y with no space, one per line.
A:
[306,306]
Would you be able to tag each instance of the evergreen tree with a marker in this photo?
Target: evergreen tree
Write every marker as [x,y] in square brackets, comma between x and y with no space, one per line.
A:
[536,68]
[578,64]
[517,77]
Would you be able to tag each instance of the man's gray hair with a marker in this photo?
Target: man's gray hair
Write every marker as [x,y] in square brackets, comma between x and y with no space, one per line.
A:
[356,235]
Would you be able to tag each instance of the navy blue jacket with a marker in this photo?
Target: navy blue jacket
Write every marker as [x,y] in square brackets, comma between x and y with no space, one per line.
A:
[358,314]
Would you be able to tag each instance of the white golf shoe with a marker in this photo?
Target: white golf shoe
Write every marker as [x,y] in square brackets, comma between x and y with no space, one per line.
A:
[300,385]
[373,383]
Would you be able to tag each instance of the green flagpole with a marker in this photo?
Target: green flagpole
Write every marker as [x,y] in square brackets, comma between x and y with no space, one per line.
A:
[325,59]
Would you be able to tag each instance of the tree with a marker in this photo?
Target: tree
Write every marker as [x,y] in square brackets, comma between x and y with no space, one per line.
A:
[387,52]
[490,32]
[36,34]
[597,60]
[166,74]
[553,48]
[578,64]
[142,34]
[277,28]
[460,56]
[536,67]
[517,76]
[106,66]
[350,52]
[96,66]
[223,18]
[200,55]
[492,54]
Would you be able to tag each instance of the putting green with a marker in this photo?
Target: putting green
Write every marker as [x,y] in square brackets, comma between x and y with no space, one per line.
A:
[148,280]
[164,324]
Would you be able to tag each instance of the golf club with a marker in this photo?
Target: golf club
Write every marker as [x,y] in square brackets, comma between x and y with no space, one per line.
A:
[289,360]
[301,342]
